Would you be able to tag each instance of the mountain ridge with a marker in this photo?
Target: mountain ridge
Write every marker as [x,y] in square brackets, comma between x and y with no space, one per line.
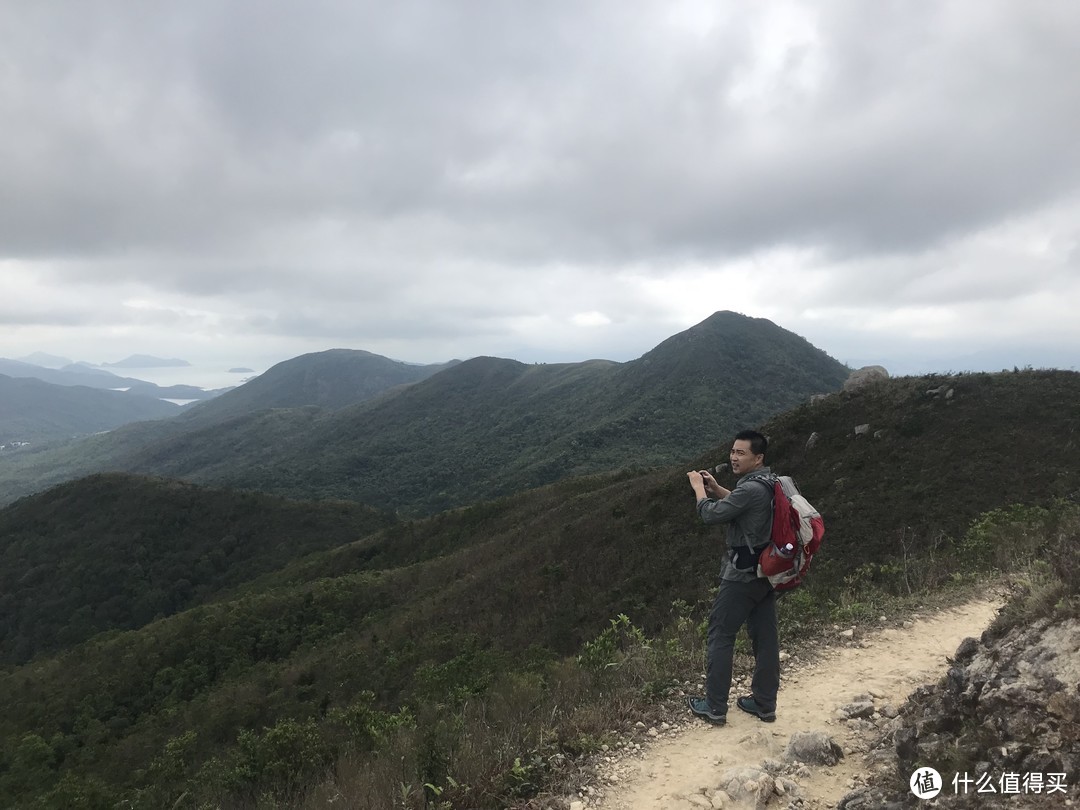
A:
[82,374]
[475,429]
[330,379]
[147,361]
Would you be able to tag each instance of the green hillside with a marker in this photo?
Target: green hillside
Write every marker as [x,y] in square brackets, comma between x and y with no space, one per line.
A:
[432,629]
[114,552]
[476,430]
[35,411]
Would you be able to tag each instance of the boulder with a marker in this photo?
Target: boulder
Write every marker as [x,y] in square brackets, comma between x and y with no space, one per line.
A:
[750,787]
[865,376]
[814,747]
[868,798]
[858,708]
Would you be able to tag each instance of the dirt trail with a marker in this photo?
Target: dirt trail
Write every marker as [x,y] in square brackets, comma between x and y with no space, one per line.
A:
[682,768]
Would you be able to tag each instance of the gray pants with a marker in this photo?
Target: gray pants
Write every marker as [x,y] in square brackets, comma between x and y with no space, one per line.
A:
[753,604]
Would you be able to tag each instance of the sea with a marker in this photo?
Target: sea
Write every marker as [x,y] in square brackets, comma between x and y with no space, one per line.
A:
[209,378]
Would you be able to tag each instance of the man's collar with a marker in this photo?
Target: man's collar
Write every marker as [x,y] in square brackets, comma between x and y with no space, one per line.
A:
[760,471]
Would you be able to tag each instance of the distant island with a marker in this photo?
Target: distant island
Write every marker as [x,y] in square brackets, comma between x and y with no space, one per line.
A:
[146,361]
[241,371]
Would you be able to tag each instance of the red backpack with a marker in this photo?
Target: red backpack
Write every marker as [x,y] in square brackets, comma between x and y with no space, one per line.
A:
[797,529]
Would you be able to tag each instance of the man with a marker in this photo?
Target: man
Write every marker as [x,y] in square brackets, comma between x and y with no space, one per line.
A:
[744,597]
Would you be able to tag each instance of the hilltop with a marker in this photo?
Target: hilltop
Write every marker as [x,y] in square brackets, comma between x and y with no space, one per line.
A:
[461,620]
[330,380]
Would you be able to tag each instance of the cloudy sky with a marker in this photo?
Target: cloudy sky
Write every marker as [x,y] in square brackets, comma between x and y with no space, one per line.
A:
[239,182]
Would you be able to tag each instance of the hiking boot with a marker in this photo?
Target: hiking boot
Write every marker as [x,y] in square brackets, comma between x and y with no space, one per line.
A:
[700,708]
[751,706]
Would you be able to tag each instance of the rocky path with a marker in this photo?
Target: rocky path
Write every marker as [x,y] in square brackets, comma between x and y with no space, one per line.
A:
[849,694]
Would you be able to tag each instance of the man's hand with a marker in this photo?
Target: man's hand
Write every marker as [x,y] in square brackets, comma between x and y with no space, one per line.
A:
[713,488]
[697,483]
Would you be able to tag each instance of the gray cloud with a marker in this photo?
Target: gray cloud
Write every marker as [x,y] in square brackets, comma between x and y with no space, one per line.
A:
[416,167]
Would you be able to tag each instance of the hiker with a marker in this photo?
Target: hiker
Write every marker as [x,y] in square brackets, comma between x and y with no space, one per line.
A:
[743,597]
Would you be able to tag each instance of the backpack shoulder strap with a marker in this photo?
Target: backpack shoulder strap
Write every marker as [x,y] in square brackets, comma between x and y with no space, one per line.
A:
[768,479]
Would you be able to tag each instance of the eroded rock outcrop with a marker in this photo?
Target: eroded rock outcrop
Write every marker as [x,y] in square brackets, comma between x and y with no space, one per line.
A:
[1006,715]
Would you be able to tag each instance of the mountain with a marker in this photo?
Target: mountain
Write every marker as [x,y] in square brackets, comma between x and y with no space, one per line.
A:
[326,379]
[45,360]
[86,375]
[482,428]
[35,411]
[469,619]
[492,426]
[73,374]
[147,361]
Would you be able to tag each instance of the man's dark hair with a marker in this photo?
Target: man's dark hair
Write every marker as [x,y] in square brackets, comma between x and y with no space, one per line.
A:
[758,443]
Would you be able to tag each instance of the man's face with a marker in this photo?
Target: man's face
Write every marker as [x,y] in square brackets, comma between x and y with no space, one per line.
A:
[743,459]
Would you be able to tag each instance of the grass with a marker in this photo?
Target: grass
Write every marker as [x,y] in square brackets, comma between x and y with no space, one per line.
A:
[530,741]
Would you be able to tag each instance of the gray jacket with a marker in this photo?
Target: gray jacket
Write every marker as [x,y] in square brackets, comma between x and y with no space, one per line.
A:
[748,513]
